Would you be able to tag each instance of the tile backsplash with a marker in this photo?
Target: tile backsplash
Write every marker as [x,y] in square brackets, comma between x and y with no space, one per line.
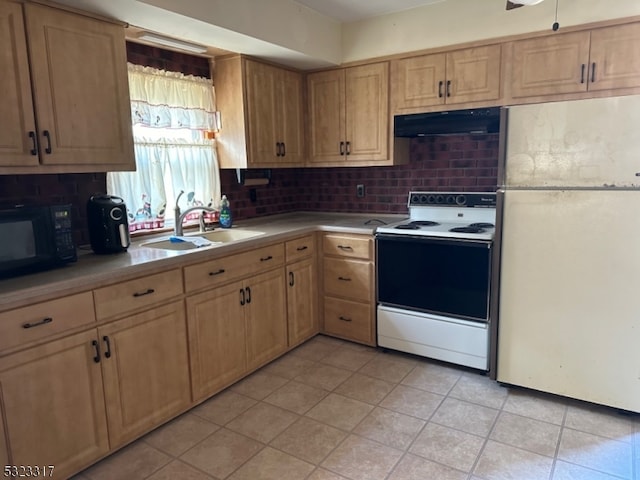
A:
[449,163]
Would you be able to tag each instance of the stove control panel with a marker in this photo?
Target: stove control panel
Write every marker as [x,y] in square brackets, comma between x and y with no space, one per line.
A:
[453,199]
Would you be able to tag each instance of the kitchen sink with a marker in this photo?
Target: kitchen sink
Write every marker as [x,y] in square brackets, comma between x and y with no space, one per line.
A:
[216,237]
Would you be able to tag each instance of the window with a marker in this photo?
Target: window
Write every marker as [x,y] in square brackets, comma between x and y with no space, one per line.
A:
[173,116]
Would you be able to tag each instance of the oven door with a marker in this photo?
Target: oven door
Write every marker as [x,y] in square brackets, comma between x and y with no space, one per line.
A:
[447,277]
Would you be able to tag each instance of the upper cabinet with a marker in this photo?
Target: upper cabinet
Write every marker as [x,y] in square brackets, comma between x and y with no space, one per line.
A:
[602,59]
[349,115]
[262,110]
[460,76]
[67,74]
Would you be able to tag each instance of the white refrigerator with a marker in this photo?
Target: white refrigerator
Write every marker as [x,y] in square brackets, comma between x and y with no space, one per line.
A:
[569,240]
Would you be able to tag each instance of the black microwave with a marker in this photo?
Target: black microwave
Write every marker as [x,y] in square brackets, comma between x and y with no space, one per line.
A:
[34,238]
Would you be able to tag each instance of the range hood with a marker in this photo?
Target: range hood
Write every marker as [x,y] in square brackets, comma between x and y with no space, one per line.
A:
[477,120]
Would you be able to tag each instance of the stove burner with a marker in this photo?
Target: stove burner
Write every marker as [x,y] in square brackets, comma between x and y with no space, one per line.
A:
[481,225]
[416,224]
[468,229]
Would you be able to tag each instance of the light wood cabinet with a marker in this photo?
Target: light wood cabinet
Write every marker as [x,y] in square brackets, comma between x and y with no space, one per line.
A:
[262,114]
[348,287]
[460,76]
[217,339]
[235,327]
[53,402]
[146,370]
[348,115]
[601,59]
[45,320]
[302,293]
[265,318]
[137,294]
[76,74]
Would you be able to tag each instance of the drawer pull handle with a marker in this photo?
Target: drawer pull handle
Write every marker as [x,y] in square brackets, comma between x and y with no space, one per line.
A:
[291,279]
[248,289]
[44,321]
[344,279]
[344,319]
[346,248]
[300,249]
[211,274]
[149,291]
[94,344]
[266,259]
[106,340]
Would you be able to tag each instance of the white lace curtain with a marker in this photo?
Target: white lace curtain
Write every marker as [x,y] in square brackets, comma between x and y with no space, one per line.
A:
[171,115]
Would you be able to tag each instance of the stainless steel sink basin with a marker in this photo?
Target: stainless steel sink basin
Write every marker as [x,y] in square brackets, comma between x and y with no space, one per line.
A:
[217,237]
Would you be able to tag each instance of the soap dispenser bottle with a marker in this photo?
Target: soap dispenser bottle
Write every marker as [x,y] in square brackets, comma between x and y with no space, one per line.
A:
[225,213]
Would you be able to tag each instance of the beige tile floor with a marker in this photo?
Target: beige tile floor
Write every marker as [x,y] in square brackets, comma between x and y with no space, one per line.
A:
[332,410]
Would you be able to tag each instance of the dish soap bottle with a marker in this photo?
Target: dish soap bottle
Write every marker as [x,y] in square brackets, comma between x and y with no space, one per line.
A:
[225,213]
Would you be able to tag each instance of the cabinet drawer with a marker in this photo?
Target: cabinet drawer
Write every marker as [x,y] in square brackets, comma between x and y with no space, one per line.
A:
[133,294]
[223,269]
[347,319]
[300,248]
[348,278]
[35,322]
[352,246]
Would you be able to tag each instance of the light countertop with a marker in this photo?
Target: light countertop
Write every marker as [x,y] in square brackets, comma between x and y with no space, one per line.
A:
[94,271]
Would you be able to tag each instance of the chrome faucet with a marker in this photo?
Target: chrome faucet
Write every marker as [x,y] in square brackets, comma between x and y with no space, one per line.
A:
[180,218]
[176,209]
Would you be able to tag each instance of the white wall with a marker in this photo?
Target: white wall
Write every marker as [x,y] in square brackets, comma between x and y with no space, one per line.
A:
[458,21]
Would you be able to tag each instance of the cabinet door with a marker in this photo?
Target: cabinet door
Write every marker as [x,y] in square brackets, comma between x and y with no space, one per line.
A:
[326,115]
[550,65]
[16,107]
[216,339]
[262,122]
[265,318]
[80,88]
[302,311]
[290,99]
[615,57]
[473,74]
[54,405]
[146,371]
[367,112]
[418,82]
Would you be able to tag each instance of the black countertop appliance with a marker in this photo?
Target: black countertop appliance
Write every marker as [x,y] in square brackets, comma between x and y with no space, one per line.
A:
[108,225]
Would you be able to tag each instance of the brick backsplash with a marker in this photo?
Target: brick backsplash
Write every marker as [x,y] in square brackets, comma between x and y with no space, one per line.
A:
[449,163]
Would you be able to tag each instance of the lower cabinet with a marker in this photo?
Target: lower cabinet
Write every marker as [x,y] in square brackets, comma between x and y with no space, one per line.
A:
[216,339]
[234,329]
[349,287]
[302,295]
[265,318]
[53,402]
[145,365]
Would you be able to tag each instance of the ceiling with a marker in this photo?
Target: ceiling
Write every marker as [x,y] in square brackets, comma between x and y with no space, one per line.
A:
[346,11]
